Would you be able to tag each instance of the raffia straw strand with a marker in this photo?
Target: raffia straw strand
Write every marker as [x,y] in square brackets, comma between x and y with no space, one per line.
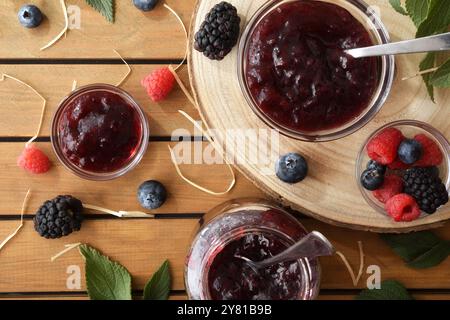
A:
[194,103]
[4,75]
[68,247]
[177,167]
[74,85]
[185,33]
[420,73]
[12,235]
[120,214]
[233,182]
[66,27]
[183,87]
[128,66]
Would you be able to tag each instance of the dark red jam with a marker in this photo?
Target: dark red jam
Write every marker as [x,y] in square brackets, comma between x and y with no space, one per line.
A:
[99,131]
[298,73]
[230,278]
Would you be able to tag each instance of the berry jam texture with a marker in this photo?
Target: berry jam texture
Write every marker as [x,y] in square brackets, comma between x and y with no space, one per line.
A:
[99,131]
[230,278]
[298,73]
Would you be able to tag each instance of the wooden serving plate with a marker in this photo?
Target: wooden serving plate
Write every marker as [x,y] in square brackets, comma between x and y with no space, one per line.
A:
[330,193]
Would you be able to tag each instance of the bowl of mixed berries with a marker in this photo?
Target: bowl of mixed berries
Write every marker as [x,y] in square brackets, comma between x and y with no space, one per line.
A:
[403,169]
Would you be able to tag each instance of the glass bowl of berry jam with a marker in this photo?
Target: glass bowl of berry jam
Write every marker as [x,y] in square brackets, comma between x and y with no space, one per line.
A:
[295,74]
[99,132]
[403,170]
[255,229]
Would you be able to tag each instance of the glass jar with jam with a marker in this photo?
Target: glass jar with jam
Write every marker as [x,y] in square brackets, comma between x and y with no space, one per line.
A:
[255,229]
[99,132]
[298,79]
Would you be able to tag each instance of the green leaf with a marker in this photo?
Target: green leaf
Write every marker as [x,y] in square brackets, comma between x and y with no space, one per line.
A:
[390,290]
[105,279]
[397,5]
[158,287]
[419,250]
[441,78]
[438,19]
[411,245]
[433,257]
[105,7]
[428,63]
[417,10]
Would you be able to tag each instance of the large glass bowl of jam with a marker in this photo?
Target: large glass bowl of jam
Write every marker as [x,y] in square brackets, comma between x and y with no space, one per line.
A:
[296,76]
[256,229]
[99,132]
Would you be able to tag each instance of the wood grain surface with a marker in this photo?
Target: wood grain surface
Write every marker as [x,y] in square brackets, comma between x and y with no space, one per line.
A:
[330,192]
[119,194]
[155,35]
[141,245]
[21,107]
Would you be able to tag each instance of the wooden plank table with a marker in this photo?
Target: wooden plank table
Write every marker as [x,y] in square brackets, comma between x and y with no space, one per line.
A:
[147,41]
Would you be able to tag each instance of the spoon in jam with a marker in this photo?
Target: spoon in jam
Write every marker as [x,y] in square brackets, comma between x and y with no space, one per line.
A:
[440,42]
[311,246]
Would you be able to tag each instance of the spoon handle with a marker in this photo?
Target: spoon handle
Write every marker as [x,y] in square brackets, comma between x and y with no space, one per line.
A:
[440,42]
[313,245]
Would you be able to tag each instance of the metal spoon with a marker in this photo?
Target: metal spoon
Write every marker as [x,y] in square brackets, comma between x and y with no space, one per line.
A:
[313,245]
[440,42]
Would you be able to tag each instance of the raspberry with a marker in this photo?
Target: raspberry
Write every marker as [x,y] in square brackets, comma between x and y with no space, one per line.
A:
[33,160]
[159,84]
[383,147]
[392,186]
[398,165]
[402,207]
[432,155]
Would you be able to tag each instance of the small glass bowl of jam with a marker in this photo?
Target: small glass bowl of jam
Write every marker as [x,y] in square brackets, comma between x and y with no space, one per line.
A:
[99,132]
[295,74]
[409,129]
[255,229]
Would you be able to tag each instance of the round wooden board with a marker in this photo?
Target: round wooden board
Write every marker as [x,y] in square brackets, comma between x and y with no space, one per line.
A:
[330,192]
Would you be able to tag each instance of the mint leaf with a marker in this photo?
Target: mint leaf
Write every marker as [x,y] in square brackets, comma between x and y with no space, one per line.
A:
[438,19]
[433,257]
[397,5]
[441,78]
[418,10]
[419,250]
[105,7]
[390,290]
[105,279]
[158,287]
[426,64]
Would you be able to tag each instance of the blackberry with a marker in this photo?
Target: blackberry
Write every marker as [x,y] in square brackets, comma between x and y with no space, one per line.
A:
[219,32]
[426,187]
[59,217]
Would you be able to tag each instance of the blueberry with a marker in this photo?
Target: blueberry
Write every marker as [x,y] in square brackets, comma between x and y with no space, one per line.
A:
[152,194]
[409,151]
[145,5]
[30,16]
[291,168]
[373,165]
[372,179]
